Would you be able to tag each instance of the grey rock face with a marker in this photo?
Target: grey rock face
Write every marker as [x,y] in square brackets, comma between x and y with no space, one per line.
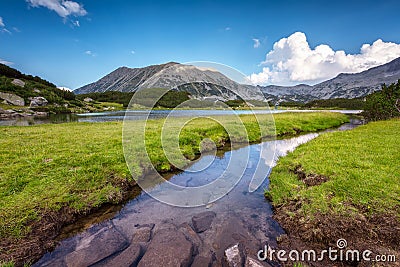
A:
[12,99]
[202,222]
[168,248]
[38,101]
[123,79]
[88,99]
[18,82]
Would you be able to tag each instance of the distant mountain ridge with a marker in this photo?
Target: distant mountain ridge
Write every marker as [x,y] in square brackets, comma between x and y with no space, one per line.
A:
[203,83]
[344,85]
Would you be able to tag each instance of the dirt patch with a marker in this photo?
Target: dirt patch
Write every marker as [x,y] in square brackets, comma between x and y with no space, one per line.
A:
[310,179]
[53,226]
[378,233]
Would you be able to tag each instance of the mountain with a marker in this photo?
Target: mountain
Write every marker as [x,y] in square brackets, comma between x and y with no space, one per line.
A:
[345,85]
[123,79]
[210,84]
[200,82]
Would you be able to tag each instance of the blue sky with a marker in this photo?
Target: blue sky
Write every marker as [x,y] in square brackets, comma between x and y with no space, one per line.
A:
[72,43]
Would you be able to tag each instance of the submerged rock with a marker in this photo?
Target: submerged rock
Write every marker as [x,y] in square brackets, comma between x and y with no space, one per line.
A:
[143,234]
[128,257]
[251,262]
[97,247]
[234,256]
[168,248]
[202,221]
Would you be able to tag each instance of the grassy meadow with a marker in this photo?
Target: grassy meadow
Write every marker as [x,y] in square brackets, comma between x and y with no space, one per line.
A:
[362,166]
[82,165]
[342,185]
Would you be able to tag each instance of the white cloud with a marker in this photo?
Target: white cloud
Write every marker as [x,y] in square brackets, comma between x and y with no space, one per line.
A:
[90,53]
[76,23]
[2,22]
[62,7]
[5,62]
[6,31]
[257,43]
[292,61]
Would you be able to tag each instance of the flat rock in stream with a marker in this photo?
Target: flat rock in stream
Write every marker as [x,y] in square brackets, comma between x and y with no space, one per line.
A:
[168,248]
[227,231]
[128,257]
[191,235]
[143,234]
[201,261]
[202,221]
[234,256]
[97,247]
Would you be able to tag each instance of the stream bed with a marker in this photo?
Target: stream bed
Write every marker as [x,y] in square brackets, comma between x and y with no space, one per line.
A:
[146,232]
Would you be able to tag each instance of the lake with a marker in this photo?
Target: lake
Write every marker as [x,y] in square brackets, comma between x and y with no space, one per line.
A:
[142,114]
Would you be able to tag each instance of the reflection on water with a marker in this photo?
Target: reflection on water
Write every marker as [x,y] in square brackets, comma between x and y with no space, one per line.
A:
[140,115]
[52,118]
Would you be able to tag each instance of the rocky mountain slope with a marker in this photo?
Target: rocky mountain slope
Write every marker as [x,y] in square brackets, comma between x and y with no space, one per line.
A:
[123,79]
[201,83]
[345,85]
[205,83]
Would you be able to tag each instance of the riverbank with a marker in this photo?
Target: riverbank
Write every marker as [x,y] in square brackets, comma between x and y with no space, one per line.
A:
[342,185]
[53,174]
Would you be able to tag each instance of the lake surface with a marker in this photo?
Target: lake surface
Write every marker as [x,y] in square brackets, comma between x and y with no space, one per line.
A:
[240,216]
[141,115]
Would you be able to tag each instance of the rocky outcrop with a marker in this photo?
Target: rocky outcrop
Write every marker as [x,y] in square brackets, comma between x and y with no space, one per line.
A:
[88,100]
[12,99]
[38,101]
[18,82]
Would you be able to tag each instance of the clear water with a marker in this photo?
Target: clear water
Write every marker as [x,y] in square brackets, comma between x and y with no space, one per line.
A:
[139,115]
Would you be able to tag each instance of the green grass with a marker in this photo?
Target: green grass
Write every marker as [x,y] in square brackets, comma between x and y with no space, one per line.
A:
[362,166]
[81,165]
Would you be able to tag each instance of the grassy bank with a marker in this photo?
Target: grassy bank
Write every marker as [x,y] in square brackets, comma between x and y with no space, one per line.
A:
[342,185]
[45,168]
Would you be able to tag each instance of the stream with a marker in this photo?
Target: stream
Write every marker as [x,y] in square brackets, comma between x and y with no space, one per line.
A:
[146,232]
